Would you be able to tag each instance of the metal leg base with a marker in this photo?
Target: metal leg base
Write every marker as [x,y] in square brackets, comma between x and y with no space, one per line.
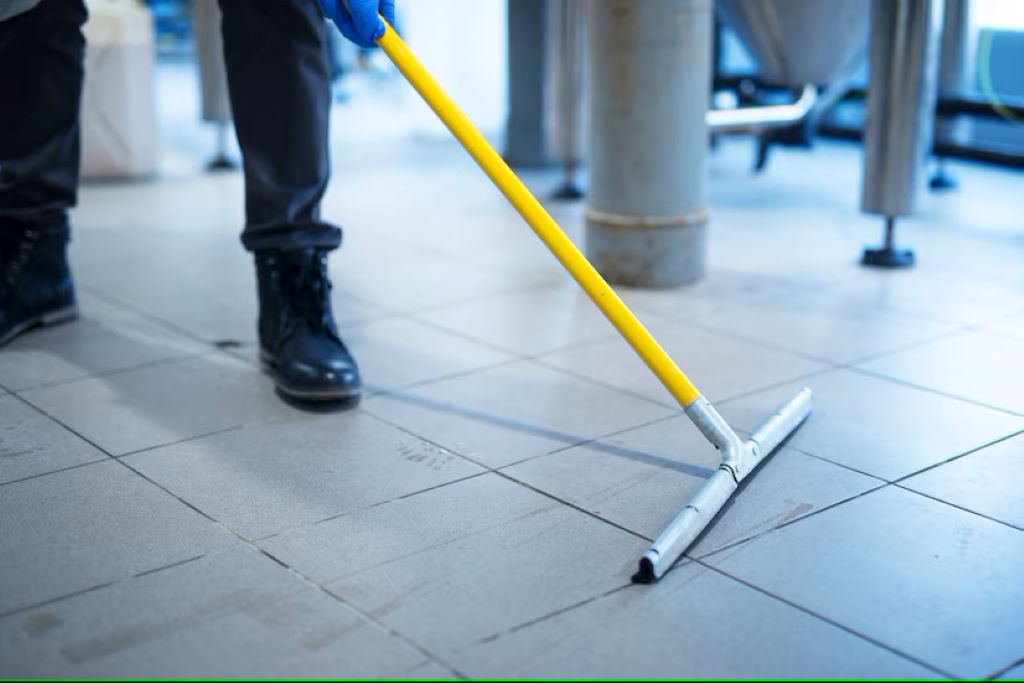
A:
[941,180]
[221,162]
[568,192]
[888,257]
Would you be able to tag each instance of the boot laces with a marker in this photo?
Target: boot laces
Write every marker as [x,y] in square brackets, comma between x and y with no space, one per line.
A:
[16,257]
[310,296]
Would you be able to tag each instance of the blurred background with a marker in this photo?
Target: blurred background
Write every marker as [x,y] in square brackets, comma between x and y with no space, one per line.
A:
[471,57]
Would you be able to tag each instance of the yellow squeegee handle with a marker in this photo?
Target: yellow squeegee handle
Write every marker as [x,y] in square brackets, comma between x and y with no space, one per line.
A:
[542,223]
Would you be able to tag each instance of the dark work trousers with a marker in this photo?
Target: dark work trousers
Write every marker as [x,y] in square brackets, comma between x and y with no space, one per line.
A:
[279,82]
[40,90]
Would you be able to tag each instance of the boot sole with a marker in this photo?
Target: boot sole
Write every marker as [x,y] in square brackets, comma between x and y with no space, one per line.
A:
[42,320]
[323,395]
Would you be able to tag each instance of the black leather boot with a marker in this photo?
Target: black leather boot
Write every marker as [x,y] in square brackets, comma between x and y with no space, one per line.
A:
[35,282]
[298,337]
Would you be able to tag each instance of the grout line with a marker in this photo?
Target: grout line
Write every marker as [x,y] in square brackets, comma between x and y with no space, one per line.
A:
[448,540]
[827,620]
[812,513]
[771,387]
[952,332]
[599,444]
[569,441]
[388,391]
[1005,669]
[476,298]
[103,458]
[850,468]
[50,601]
[759,341]
[518,353]
[172,565]
[826,367]
[382,503]
[84,438]
[958,507]
[170,360]
[933,390]
[363,613]
[195,437]
[983,446]
[145,314]
[574,506]
[494,420]
[550,615]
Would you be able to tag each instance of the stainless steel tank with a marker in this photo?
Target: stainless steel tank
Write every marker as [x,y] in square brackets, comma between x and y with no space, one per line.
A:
[800,42]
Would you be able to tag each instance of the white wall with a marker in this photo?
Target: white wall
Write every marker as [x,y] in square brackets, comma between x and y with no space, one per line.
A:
[463,43]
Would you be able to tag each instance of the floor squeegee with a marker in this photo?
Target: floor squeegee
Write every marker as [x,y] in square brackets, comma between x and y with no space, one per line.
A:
[739,457]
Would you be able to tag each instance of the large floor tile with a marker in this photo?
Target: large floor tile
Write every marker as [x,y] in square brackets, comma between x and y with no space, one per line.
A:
[230,614]
[982,367]
[528,322]
[719,290]
[988,481]
[883,428]
[485,438]
[397,352]
[365,539]
[72,530]
[930,292]
[204,308]
[103,339]
[430,671]
[511,412]
[33,444]
[164,403]
[260,480]
[214,299]
[196,276]
[464,562]
[522,258]
[720,366]
[1011,326]
[639,479]
[695,623]
[927,579]
[813,325]
[214,311]
[416,282]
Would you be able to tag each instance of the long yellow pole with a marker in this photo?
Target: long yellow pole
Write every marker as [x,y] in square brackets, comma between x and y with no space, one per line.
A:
[542,223]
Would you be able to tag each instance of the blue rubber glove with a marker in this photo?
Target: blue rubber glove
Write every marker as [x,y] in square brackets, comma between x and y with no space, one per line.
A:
[357,19]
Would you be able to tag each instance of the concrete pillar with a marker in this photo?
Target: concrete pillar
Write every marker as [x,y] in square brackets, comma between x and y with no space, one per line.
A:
[650,67]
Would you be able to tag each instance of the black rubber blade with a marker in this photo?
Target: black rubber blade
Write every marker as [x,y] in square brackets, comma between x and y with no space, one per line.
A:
[645,574]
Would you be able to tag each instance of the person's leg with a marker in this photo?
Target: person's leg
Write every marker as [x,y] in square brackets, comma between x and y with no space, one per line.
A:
[41,53]
[279,80]
[280,84]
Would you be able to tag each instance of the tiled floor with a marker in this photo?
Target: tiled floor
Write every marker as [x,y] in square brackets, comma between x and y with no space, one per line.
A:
[163,513]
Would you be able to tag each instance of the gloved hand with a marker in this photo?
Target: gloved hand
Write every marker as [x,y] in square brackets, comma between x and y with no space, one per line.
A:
[357,19]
